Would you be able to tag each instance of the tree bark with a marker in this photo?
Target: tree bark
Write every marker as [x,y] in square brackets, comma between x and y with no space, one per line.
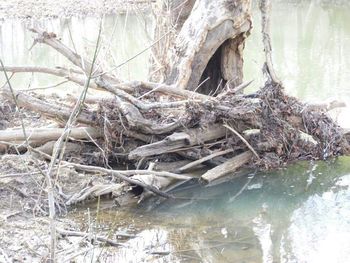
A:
[171,122]
[169,16]
[209,46]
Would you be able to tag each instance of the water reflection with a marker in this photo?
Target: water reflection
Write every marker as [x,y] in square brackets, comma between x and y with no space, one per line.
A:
[299,214]
[319,229]
[123,37]
[277,217]
[310,51]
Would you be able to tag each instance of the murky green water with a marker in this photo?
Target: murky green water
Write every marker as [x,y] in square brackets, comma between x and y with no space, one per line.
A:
[299,214]
[310,51]
[123,36]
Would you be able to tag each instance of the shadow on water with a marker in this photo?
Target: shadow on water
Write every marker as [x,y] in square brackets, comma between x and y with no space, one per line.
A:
[289,215]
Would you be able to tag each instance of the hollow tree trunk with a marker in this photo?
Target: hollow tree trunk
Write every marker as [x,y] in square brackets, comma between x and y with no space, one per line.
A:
[169,16]
[208,47]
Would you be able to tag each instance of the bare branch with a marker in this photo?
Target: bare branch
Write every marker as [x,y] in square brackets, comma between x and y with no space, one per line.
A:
[69,74]
[265,8]
[59,112]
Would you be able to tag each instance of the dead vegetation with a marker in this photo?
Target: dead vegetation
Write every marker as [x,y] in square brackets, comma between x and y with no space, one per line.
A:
[162,131]
[145,123]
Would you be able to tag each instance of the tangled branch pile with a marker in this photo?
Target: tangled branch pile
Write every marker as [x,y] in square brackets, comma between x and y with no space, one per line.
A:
[162,131]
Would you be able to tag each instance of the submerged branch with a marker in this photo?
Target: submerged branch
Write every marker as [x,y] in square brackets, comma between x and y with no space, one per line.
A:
[88,236]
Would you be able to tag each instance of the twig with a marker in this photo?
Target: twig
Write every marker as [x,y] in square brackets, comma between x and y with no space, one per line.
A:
[15,101]
[191,165]
[51,40]
[163,88]
[136,101]
[242,86]
[265,8]
[7,80]
[111,242]
[136,55]
[244,140]
[58,71]
[61,141]
[233,198]
[46,87]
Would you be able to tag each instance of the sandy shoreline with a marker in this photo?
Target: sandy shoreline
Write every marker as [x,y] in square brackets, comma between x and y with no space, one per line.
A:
[66,8]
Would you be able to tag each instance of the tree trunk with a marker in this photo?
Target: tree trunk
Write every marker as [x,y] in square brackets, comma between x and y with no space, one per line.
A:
[169,16]
[164,122]
[208,47]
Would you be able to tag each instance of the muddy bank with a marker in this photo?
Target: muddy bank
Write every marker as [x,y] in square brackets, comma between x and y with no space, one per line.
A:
[24,222]
[47,8]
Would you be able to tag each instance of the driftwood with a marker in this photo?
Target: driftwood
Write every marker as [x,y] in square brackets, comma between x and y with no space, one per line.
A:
[177,141]
[48,134]
[144,122]
[196,163]
[90,237]
[56,111]
[229,166]
[213,29]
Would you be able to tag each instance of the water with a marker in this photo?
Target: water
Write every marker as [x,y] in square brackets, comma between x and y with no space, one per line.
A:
[311,51]
[299,214]
[123,36]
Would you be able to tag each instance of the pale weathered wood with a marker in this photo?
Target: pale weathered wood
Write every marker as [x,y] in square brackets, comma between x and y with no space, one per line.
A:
[178,140]
[265,8]
[90,237]
[138,122]
[169,16]
[209,26]
[69,74]
[196,163]
[152,87]
[228,167]
[48,134]
[56,111]
[51,40]
[325,106]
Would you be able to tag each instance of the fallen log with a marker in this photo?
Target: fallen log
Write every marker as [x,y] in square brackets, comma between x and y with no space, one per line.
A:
[170,122]
[196,163]
[228,167]
[55,111]
[48,134]
[178,140]
[69,74]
